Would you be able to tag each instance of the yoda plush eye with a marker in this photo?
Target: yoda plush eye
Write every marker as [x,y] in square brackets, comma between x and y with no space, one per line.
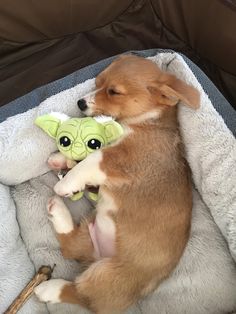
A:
[94,144]
[65,141]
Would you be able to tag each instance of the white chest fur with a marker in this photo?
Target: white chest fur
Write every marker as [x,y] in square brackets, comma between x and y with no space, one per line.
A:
[105,208]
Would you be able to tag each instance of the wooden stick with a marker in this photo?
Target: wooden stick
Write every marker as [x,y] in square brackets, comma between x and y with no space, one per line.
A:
[44,273]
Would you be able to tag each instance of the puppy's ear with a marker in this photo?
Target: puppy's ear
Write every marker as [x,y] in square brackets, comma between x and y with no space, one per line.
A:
[172,90]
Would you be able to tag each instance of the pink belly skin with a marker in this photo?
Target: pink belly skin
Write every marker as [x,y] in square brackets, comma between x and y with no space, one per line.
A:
[103,242]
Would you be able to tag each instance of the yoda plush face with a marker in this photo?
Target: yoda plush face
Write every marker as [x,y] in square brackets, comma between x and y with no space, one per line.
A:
[76,138]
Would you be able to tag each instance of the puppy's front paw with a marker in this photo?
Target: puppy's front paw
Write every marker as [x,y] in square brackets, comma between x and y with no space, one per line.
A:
[59,215]
[63,189]
[49,291]
[67,187]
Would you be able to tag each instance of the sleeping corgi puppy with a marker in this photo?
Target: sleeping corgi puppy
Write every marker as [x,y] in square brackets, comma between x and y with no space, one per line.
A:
[136,236]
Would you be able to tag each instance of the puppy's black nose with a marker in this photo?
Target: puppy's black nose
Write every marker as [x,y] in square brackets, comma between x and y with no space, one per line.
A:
[82,104]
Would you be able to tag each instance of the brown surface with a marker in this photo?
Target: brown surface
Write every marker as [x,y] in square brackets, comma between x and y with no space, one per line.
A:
[41,41]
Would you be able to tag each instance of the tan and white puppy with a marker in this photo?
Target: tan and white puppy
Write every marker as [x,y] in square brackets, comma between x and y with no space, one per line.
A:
[141,226]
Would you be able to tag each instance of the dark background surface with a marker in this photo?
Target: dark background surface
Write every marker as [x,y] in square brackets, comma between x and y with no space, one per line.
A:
[41,41]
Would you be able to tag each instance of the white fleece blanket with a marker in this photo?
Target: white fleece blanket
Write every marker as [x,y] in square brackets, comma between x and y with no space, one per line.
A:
[204,281]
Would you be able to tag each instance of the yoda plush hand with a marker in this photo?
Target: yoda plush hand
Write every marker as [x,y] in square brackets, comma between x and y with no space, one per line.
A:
[76,138]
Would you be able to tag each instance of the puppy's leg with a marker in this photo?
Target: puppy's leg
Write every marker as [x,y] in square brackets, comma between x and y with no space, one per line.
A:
[106,286]
[99,168]
[75,241]
[87,172]
[50,291]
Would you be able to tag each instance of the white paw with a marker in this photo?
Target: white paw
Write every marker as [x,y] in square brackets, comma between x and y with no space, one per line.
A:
[69,185]
[49,291]
[59,215]
[87,172]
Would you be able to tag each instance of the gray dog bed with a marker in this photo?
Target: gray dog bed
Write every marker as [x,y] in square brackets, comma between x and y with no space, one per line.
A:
[204,281]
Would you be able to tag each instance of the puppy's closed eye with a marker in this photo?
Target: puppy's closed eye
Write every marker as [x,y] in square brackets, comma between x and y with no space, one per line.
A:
[111,91]
[116,90]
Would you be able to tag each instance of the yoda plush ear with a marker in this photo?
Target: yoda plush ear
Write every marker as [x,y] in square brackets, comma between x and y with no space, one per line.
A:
[51,122]
[113,130]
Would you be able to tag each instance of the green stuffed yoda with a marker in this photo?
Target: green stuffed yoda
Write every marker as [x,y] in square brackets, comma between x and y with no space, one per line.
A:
[76,138]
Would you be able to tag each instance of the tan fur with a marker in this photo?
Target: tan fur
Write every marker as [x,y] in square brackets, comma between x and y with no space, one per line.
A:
[77,244]
[153,193]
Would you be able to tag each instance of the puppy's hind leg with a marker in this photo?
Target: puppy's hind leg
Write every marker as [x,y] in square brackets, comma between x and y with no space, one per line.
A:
[106,287]
[51,290]
[75,241]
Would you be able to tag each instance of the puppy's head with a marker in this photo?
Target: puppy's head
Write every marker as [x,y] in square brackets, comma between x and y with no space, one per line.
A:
[132,86]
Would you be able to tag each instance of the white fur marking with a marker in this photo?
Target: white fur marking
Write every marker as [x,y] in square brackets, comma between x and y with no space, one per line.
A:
[87,172]
[105,206]
[90,101]
[102,118]
[143,117]
[49,291]
[60,215]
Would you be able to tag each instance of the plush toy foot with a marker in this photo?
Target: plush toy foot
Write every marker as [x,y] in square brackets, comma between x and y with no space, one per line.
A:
[77,196]
[93,196]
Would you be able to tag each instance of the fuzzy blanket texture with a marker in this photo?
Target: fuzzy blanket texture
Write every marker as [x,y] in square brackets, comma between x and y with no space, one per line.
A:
[204,281]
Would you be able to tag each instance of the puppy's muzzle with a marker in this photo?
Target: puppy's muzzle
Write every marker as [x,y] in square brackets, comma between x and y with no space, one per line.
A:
[82,104]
